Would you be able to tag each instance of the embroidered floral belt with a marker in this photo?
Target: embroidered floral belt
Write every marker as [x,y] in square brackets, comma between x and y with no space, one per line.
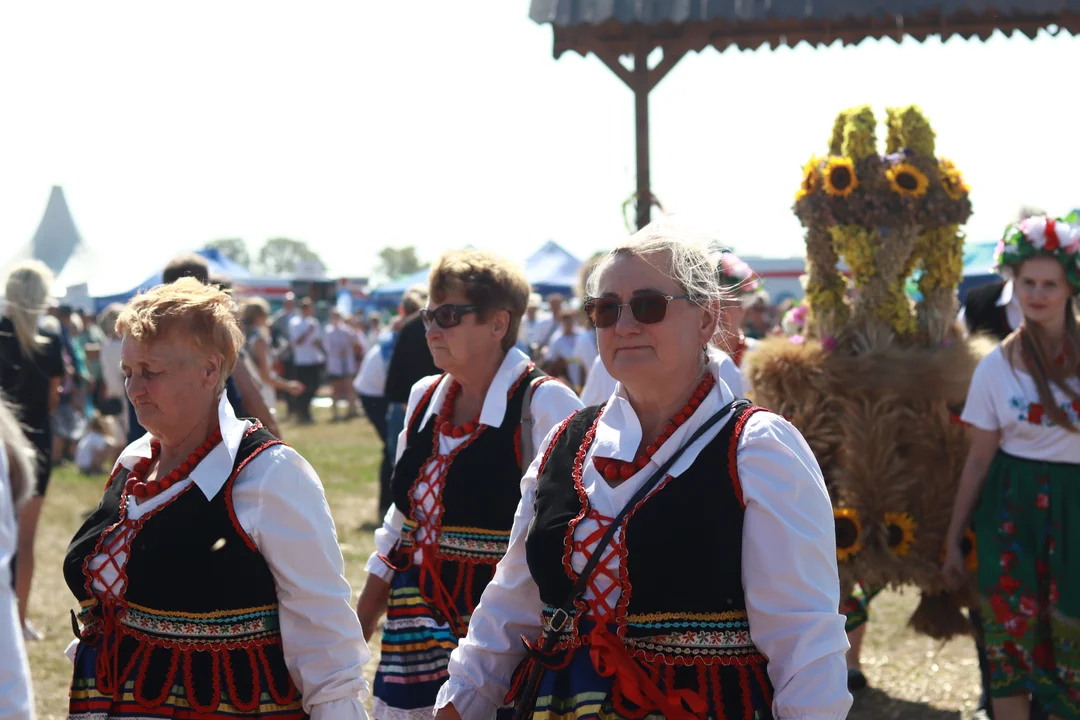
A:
[469,544]
[231,626]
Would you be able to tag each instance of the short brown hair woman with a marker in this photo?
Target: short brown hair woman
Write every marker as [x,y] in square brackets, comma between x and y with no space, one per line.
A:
[209,579]
[456,481]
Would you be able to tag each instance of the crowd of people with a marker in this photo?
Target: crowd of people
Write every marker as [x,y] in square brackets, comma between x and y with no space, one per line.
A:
[581,514]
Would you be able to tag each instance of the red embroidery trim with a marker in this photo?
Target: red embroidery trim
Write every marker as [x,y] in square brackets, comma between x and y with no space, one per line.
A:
[230,682]
[115,472]
[140,679]
[733,451]
[232,481]
[748,702]
[279,698]
[583,497]
[189,684]
[717,692]
[763,683]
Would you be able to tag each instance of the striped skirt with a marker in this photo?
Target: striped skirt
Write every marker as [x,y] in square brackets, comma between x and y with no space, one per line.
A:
[416,647]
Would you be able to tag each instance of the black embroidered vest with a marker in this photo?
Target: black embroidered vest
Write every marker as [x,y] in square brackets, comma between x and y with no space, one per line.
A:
[479,498]
[982,313]
[199,609]
[682,615]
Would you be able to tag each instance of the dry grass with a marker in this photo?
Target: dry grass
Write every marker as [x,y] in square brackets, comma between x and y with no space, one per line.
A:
[918,677]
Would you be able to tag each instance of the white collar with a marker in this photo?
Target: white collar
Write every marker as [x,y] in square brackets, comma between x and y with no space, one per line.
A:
[512,367]
[213,470]
[1007,295]
[618,432]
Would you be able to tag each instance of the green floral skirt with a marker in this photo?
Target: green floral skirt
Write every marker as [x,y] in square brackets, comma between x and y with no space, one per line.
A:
[1027,526]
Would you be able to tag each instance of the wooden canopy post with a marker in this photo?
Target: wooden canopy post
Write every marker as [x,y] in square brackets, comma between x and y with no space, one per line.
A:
[641,125]
[641,81]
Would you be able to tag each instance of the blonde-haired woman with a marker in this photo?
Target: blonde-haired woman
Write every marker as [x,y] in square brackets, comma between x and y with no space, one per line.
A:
[31,368]
[255,314]
[209,579]
[17,458]
[1021,481]
[673,554]
[469,435]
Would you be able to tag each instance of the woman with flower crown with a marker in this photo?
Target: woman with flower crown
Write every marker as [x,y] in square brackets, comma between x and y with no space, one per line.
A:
[210,580]
[673,554]
[470,434]
[1021,481]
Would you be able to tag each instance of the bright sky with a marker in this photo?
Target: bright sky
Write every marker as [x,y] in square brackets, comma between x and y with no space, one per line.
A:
[355,125]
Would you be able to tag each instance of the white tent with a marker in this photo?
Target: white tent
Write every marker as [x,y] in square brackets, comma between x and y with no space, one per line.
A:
[56,239]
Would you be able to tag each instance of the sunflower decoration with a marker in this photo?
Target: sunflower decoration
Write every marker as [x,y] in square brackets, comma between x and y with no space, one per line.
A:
[848,533]
[901,528]
[811,179]
[907,180]
[952,182]
[839,177]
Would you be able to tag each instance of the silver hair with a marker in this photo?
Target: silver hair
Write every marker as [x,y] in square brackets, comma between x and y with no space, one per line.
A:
[688,257]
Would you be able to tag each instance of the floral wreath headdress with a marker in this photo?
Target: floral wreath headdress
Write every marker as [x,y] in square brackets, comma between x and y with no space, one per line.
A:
[735,276]
[1042,236]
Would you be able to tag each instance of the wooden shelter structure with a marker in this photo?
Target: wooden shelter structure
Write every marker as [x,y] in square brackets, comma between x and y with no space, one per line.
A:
[612,29]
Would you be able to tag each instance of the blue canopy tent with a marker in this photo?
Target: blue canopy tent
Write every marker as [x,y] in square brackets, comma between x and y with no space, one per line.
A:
[551,269]
[388,295]
[219,265]
[978,266]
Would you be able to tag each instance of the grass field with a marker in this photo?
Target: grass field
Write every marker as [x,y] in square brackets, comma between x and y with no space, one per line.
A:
[911,676]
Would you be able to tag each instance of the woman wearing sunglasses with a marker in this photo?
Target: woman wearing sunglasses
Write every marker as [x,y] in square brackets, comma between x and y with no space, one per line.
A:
[673,555]
[467,441]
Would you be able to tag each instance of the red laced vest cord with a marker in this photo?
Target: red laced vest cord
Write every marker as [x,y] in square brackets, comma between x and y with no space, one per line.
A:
[115,547]
[610,658]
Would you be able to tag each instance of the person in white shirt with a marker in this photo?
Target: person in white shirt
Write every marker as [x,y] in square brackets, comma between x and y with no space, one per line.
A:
[560,360]
[1020,481]
[17,457]
[468,437]
[305,335]
[99,447]
[343,349]
[715,592]
[209,580]
[113,398]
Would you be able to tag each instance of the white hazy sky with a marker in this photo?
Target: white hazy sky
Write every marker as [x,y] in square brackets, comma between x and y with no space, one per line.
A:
[355,125]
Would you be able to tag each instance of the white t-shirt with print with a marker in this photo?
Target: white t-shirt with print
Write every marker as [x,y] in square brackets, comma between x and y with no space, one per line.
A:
[1006,399]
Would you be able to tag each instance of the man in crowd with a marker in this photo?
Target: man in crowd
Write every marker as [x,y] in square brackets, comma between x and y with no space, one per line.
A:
[370,385]
[306,337]
[410,361]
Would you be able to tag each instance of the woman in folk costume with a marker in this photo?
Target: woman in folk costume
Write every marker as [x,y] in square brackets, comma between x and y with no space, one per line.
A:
[673,555]
[469,435]
[210,579]
[1021,481]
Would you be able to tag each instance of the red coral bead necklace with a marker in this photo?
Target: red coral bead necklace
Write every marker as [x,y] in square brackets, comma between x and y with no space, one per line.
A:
[139,487]
[616,470]
[445,425]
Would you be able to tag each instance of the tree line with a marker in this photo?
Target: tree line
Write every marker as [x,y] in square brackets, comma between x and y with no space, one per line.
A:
[282,256]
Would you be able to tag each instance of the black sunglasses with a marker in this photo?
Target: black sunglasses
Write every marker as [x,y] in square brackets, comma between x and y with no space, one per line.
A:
[446,316]
[648,308]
